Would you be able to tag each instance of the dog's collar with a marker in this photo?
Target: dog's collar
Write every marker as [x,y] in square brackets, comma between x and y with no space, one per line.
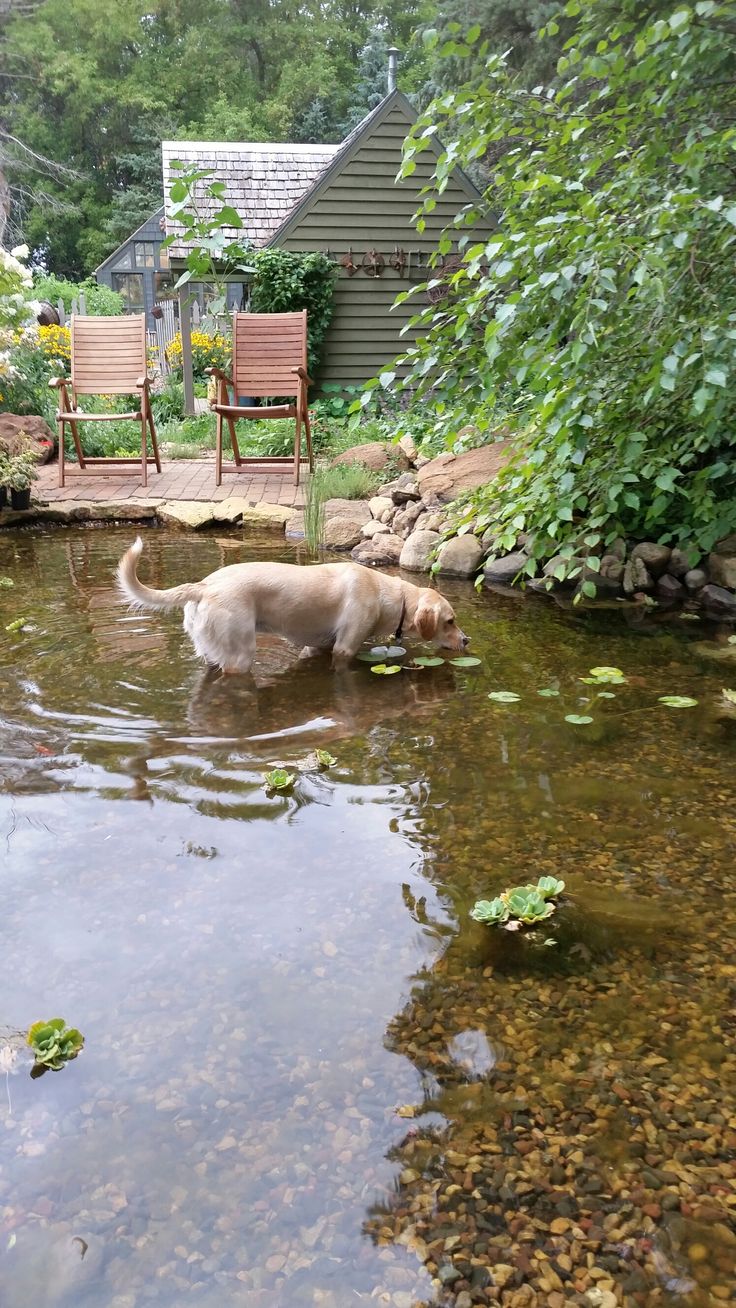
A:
[402,615]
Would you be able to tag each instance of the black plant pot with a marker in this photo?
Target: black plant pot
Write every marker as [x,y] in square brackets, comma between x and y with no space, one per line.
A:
[20,499]
[3,497]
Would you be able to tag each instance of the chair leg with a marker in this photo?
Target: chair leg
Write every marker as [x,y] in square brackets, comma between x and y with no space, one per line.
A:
[234,442]
[60,430]
[297,445]
[154,441]
[78,445]
[144,449]
[218,450]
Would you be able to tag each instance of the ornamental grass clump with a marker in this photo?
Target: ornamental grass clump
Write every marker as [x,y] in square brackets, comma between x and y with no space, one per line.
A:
[520,906]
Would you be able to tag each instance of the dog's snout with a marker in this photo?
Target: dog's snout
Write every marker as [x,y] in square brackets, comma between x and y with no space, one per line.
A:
[466,640]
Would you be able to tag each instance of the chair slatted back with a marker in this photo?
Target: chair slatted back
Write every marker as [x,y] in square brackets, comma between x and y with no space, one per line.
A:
[266,349]
[108,354]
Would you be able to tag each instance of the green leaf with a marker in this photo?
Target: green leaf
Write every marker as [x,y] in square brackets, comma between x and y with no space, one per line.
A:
[504,696]
[427,661]
[548,693]
[385,670]
[677,701]
[466,661]
[578,719]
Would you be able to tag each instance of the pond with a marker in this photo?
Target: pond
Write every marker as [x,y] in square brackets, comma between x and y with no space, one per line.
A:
[309,1077]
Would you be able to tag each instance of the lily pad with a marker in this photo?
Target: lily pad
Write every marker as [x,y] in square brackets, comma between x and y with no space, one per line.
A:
[428,661]
[385,669]
[384,652]
[548,693]
[677,701]
[606,694]
[467,661]
[367,656]
[578,719]
[504,696]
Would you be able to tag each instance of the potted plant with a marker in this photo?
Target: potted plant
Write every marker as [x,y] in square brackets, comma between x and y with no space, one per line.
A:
[21,473]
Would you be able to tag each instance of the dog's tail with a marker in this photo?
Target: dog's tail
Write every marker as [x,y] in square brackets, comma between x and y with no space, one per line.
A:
[145,597]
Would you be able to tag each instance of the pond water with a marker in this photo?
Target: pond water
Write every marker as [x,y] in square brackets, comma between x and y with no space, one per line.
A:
[309,1077]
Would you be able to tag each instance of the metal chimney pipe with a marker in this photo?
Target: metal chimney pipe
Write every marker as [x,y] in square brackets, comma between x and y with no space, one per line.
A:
[393,60]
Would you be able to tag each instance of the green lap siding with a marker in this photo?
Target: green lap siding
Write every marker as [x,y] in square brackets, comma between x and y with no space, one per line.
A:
[357,206]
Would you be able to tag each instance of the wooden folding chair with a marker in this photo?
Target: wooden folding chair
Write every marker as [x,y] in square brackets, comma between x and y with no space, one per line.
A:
[269,360]
[108,358]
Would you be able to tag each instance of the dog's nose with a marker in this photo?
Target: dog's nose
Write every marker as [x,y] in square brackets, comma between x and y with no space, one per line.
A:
[466,640]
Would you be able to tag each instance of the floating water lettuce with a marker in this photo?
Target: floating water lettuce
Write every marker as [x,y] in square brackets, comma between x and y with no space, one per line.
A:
[677,701]
[53,1044]
[279,780]
[385,669]
[325,759]
[604,676]
[504,696]
[519,906]
[6,583]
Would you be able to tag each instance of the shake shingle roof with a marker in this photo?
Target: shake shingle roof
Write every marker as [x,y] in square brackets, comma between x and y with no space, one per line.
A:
[264,181]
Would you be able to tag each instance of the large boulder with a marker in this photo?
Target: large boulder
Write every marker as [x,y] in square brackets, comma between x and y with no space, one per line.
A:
[381,551]
[342,533]
[637,577]
[460,557]
[717,602]
[419,550]
[356,510]
[372,455]
[449,474]
[504,571]
[374,528]
[654,557]
[722,562]
[15,428]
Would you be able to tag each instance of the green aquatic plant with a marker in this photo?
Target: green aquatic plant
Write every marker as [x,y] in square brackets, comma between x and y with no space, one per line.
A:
[325,759]
[385,669]
[427,661]
[578,719]
[17,625]
[677,701]
[54,1044]
[504,696]
[604,677]
[6,583]
[279,780]
[548,693]
[520,905]
[465,661]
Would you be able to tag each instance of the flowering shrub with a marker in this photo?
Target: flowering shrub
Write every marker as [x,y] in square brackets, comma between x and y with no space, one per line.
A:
[55,343]
[16,308]
[208,351]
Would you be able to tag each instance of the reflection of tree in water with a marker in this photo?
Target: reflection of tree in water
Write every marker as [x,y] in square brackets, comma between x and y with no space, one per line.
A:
[558,1147]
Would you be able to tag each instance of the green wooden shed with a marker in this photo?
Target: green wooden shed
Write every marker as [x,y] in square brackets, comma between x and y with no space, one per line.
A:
[344,200]
[362,215]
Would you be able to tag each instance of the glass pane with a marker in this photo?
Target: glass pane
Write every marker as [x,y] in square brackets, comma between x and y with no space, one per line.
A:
[125,260]
[163,258]
[163,283]
[130,286]
[143,254]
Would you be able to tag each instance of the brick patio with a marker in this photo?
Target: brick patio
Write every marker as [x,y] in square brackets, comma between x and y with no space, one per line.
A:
[180,479]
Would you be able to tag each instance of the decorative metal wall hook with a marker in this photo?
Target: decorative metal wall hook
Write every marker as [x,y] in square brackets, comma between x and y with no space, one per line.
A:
[347,263]
[399,260]
[373,263]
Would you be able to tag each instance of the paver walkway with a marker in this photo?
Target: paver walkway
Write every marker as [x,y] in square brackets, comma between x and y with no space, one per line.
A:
[179,479]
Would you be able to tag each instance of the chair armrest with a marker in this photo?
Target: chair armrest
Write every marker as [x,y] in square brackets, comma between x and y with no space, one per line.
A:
[142,381]
[221,376]
[58,383]
[302,372]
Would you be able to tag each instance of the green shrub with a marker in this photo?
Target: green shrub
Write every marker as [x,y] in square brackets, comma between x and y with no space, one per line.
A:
[100,300]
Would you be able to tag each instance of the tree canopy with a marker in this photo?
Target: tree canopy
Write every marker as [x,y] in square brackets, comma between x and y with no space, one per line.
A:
[599,321]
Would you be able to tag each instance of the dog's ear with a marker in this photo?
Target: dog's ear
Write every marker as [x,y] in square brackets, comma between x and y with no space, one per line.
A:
[426,619]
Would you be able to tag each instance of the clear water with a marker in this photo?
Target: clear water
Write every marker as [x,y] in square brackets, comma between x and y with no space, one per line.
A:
[263,983]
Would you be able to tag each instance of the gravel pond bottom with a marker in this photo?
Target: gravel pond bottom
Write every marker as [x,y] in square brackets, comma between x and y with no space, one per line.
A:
[309,1078]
